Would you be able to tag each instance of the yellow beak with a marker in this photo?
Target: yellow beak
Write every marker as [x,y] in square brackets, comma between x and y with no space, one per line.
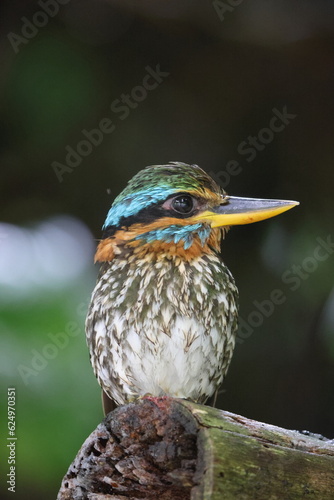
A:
[244,211]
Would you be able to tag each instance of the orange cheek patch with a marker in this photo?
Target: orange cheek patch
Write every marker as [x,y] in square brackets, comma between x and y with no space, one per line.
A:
[110,247]
[162,223]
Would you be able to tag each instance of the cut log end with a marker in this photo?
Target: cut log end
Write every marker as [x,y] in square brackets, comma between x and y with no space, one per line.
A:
[146,449]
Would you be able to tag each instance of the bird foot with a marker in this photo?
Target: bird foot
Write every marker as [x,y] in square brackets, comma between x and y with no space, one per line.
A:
[159,401]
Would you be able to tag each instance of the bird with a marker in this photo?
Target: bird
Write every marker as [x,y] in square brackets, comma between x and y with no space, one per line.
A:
[163,315]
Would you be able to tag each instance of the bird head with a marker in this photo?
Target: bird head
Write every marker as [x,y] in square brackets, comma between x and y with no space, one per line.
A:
[178,210]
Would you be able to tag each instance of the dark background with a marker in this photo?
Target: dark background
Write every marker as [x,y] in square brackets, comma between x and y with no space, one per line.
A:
[228,69]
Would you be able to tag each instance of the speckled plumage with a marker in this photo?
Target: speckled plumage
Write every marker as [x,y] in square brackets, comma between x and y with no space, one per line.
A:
[163,314]
[162,326]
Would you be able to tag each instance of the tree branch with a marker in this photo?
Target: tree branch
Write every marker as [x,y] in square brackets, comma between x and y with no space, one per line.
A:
[172,449]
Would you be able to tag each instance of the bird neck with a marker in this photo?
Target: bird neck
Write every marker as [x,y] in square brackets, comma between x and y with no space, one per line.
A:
[126,242]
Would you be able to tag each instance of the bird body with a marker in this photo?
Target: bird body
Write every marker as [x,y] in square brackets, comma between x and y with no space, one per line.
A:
[163,314]
[164,325]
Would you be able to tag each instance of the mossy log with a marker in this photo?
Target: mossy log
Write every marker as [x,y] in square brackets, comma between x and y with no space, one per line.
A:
[163,448]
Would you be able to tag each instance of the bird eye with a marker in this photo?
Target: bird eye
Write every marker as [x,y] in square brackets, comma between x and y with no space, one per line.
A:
[182,204]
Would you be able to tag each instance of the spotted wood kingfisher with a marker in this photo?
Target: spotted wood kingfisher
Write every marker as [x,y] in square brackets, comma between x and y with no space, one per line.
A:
[163,314]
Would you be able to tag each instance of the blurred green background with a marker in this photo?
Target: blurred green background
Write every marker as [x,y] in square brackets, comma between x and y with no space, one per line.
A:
[225,69]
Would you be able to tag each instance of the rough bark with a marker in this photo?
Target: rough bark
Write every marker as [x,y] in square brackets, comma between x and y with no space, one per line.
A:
[173,449]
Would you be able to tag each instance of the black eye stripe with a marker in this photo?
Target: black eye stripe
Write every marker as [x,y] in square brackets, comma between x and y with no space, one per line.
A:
[152,213]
